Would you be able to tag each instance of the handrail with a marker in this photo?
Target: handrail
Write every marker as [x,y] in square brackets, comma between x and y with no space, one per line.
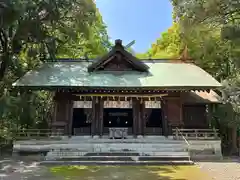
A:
[183,136]
[200,129]
[197,134]
[186,141]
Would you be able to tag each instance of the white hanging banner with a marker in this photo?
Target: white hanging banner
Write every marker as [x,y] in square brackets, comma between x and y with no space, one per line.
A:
[82,104]
[153,104]
[117,104]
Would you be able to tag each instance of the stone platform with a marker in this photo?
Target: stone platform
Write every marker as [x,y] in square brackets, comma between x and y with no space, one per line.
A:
[90,150]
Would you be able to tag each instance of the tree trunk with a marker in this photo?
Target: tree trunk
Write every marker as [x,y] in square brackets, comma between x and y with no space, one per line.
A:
[234,149]
[5,53]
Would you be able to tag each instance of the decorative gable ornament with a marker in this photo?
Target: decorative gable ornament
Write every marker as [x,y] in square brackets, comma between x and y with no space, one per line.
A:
[118,59]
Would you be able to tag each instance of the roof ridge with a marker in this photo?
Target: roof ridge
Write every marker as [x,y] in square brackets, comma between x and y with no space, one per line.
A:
[93,60]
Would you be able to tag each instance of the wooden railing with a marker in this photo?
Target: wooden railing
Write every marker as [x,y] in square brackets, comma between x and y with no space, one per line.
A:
[38,133]
[186,141]
[196,134]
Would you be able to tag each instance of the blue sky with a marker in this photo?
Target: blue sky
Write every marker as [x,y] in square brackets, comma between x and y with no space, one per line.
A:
[140,20]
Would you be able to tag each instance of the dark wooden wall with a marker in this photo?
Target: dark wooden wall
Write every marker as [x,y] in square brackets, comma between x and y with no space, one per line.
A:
[63,113]
[195,116]
[174,114]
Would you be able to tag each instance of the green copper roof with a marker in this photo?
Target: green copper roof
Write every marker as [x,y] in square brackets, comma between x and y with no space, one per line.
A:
[75,74]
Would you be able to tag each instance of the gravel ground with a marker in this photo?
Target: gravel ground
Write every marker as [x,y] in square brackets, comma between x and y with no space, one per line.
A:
[12,169]
[225,170]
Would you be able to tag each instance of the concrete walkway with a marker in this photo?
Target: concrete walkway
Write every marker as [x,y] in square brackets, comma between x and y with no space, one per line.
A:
[225,170]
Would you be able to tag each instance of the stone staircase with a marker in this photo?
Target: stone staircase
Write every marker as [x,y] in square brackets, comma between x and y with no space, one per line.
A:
[142,150]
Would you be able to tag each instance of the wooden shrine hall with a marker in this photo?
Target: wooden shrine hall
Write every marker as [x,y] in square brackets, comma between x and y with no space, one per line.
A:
[120,95]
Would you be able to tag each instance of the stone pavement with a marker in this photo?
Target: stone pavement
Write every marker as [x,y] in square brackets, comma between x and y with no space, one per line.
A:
[225,170]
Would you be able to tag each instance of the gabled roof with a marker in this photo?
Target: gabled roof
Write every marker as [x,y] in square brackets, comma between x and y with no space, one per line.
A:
[118,50]
[161,75]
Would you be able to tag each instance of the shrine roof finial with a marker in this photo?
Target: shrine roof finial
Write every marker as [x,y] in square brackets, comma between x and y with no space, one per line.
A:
[118,42]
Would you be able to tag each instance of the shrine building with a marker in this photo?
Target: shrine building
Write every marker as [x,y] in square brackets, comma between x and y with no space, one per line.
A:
[121,92]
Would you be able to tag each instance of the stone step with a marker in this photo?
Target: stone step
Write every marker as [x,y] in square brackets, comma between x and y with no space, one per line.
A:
[66,154]
[165,147]
[125,158]
[97,142]
[179,149]
[128,137]
[117,162]
[124,141]
[168,154]
[119,145]
[112,154]
[40,142]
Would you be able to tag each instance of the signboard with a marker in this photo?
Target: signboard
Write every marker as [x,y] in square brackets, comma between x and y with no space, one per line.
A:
[82,104]
[153,104]
[117,104]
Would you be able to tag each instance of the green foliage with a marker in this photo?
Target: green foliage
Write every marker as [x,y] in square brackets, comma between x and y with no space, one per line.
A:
[167,46]
[32,31]
[211,31]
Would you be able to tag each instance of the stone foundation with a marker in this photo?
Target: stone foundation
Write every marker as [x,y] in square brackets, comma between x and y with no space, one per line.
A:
[205,149]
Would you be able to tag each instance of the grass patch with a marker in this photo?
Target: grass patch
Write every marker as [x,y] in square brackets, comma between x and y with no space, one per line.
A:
[129,172]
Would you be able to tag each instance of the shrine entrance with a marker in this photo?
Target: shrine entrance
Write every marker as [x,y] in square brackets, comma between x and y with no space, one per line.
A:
[117,114]
[81,118]
[116,117]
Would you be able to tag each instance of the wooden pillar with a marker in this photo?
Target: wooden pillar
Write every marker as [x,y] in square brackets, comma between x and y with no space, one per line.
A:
[209,108]
[136,117]
[55,112]
[143,119]
[100,118]
[93,124]
[97,116]
[181,110]
[97,121]
[164,118]
[69,115]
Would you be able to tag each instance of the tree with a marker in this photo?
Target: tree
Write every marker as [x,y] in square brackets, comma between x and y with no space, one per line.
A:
[44,28]
[222,16]
[169,45]
[32,31]
[210,31]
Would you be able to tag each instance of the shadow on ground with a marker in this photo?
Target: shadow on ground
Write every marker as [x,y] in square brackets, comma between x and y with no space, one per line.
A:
[128,172]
